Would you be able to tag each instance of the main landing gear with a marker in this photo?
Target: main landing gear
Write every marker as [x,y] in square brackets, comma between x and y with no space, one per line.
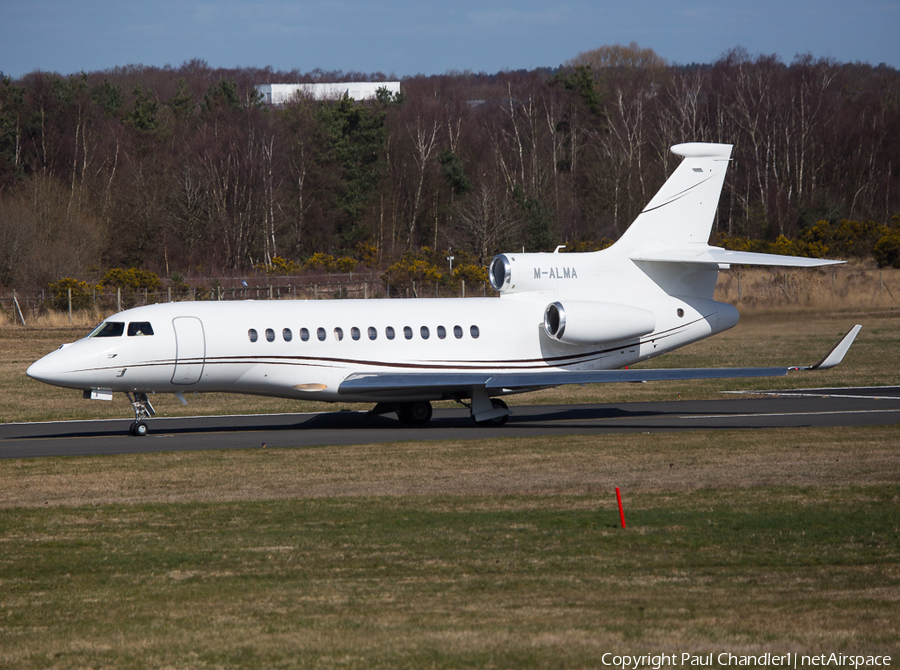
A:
[419,413]
[142,410]
[487,412]
[411,413]
[414,413]
[496,421]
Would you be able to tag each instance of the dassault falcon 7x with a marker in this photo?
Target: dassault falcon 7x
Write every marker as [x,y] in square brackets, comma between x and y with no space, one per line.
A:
[574,318]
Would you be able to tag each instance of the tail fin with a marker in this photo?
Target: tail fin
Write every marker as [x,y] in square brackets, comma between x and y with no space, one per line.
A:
[675,226]
[681,214]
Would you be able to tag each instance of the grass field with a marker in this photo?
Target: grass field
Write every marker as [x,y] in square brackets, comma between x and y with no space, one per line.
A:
[501,553]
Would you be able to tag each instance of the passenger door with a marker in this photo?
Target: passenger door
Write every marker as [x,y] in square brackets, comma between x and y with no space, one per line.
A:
[190,350]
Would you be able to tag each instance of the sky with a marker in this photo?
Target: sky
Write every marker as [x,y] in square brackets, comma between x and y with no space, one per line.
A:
[407,37]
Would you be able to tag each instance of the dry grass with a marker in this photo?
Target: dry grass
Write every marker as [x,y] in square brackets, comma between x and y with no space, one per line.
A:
[854,286]
[498,553]
[577,465]
[83,320]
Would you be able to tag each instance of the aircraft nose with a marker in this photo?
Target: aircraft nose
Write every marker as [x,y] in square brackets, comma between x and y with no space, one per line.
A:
[50,369]
[40,371]
[70,366]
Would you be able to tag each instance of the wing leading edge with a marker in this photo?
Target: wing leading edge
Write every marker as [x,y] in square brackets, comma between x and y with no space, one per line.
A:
[448,382]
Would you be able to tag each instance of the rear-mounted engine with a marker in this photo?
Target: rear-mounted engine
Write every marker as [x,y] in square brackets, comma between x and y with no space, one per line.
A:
[588,322]
[518,273]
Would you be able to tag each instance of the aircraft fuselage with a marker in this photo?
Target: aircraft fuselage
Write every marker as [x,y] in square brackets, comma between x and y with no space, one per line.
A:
[304,349]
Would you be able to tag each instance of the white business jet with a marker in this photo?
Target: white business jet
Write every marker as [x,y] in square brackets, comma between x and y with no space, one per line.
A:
[560,319]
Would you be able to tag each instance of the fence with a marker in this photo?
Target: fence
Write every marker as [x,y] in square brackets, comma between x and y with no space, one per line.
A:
[831,287]
[21,307]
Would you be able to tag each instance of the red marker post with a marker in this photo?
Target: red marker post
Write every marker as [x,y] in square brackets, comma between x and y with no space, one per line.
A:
[621,511]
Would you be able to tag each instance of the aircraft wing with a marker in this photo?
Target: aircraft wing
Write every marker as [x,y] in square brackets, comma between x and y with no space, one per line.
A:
[451,382]
[459,382]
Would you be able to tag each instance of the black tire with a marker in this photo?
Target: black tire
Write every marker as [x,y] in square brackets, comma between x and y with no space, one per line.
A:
[139,429]
[415,413]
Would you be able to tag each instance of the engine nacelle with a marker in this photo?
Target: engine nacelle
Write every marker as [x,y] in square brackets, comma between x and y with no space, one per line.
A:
[588,322]
[518,273]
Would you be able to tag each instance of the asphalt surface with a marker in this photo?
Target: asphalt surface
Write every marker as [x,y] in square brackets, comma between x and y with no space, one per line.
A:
[799,408]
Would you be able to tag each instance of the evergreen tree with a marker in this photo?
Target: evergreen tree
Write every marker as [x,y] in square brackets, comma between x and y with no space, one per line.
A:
[355,147]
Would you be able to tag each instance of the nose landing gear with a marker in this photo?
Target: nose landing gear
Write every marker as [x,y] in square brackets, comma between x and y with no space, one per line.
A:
[142,410]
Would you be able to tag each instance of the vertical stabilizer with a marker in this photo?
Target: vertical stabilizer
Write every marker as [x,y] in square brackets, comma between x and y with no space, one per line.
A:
[681,214]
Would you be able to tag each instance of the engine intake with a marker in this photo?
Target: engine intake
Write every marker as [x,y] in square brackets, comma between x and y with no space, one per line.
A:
[500,273]
[588,322]
[521,273]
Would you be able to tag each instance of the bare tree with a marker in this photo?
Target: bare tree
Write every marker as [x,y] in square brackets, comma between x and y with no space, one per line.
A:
[487,221]
[423,138]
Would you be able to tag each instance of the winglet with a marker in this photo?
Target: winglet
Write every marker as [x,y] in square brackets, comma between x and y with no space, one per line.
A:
[836,355]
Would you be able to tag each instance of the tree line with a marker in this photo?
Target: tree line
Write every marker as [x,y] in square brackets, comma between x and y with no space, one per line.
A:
[183,170]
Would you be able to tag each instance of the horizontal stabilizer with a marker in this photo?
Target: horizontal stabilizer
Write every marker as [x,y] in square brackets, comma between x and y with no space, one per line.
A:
[721,256]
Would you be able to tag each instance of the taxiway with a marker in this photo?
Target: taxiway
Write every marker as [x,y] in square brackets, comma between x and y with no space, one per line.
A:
[784,409]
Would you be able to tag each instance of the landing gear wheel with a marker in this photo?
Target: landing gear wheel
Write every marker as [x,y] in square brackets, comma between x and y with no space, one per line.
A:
[138,429]
[414,413]
[496,403]
[140,403]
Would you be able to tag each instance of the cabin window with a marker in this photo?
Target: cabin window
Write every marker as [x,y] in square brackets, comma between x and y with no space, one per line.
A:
[339,334]
[139,328]
[423,331]
[373,333]
[270,335]
[473,330]
[407,332]
[304,334]
[457,332]
[253,335]
[389,332]
[354,333]
[320,333]
[109,329]
[287,334]
[442,332]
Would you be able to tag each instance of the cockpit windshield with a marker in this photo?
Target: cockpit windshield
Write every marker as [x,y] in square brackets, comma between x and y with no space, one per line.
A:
[117,329]
[139,328]
[109,329]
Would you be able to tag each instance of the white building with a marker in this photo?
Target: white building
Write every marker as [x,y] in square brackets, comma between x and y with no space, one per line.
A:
[279,94]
